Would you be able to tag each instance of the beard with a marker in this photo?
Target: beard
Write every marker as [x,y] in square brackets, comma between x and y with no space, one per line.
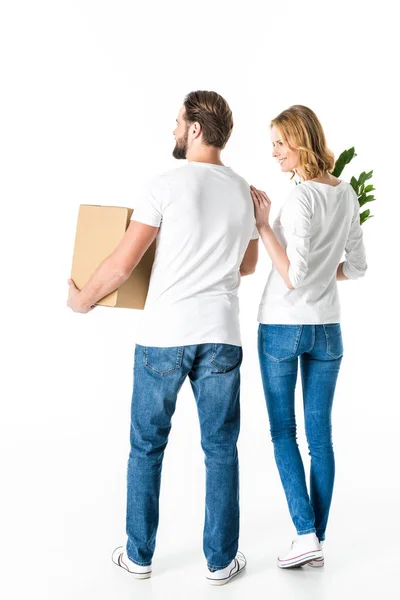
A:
[181,146]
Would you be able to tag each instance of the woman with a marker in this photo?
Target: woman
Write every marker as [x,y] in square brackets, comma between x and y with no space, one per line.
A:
[299,317]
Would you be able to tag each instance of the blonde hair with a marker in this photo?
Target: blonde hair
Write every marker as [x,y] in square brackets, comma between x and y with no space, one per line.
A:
[301,130]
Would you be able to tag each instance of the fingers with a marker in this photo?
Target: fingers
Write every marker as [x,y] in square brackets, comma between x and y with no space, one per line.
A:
[265,198]
[260,196]
[256,196]
[256,201]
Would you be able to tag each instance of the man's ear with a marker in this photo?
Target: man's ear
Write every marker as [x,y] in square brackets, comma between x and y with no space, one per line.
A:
[195,130]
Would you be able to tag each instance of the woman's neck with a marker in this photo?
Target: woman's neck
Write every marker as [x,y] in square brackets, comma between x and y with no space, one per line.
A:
[327,178]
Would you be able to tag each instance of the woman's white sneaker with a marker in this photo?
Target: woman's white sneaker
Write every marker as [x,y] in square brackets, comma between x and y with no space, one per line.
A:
[305,549]
[120,558]
[223,576]
[318,562]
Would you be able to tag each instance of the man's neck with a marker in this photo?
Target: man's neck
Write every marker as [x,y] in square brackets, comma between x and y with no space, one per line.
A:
[212,156]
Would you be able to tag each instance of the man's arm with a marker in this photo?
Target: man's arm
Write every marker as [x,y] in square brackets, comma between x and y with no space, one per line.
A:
[116,268]
[250,259]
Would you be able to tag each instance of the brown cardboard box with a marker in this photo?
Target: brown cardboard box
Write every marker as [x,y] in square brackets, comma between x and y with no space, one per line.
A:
[98,233]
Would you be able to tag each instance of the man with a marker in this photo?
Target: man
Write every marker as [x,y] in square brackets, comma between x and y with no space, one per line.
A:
[203,217]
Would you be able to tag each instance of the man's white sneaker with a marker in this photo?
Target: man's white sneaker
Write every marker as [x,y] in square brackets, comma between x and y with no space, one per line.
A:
[305,548]
[223,576]
[318,562]
[120,558]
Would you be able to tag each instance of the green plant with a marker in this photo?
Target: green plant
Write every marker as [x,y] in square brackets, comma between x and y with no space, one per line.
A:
[363,191]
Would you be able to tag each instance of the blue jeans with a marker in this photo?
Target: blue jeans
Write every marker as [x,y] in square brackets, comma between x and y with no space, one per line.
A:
[214,374]
[320,349]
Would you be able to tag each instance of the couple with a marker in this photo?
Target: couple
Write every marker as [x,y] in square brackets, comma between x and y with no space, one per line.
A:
[207,222]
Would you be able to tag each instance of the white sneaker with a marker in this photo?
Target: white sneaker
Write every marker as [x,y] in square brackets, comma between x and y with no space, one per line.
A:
[305,548]
[120,558]
[223,576]
[318,562]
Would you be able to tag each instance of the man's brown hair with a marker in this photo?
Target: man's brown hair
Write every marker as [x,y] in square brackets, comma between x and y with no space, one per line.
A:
[212,112]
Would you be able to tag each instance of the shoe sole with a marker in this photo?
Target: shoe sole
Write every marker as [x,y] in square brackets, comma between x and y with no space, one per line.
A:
[139,575]
[317,563]
[299,561]
[227,579]
[134,575]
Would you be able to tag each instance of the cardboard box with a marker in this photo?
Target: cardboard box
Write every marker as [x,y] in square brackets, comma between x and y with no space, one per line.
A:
[98,233]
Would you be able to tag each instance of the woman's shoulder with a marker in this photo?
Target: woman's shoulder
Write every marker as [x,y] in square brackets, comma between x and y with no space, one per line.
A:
[299,202]
[300,194]
[300,189]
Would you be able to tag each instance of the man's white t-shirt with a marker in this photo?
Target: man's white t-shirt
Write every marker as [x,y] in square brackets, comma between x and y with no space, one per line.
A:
[206,217]
[317,224]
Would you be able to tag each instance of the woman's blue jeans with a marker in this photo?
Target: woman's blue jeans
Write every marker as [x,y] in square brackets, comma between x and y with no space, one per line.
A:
[320,349]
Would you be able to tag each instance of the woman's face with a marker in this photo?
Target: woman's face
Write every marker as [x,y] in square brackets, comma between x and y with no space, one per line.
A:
[287,157]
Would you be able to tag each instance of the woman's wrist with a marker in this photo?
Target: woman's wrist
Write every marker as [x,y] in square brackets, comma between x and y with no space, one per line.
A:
[264,228]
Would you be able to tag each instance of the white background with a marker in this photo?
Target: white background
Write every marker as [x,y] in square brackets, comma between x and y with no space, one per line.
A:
[90,93]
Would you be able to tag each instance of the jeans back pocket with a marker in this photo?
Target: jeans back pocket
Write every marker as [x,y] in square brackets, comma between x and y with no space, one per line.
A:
[334,341]
[280,342]
[163,360]
[225,357]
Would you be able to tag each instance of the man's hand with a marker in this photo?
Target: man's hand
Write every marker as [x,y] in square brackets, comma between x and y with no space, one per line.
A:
[74,299]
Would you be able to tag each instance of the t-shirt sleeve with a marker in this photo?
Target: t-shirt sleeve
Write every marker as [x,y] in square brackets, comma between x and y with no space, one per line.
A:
[296,219]
[355,264]
[150,208]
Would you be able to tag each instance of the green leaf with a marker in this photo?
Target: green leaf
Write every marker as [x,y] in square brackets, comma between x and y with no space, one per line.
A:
[369,188]
[343,160]
[364,199]
[368,175]
[364,216]
[362,178]
[354,184]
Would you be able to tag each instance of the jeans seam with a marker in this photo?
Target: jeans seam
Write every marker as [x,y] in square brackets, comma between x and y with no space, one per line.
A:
[300,331]
[313,337]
